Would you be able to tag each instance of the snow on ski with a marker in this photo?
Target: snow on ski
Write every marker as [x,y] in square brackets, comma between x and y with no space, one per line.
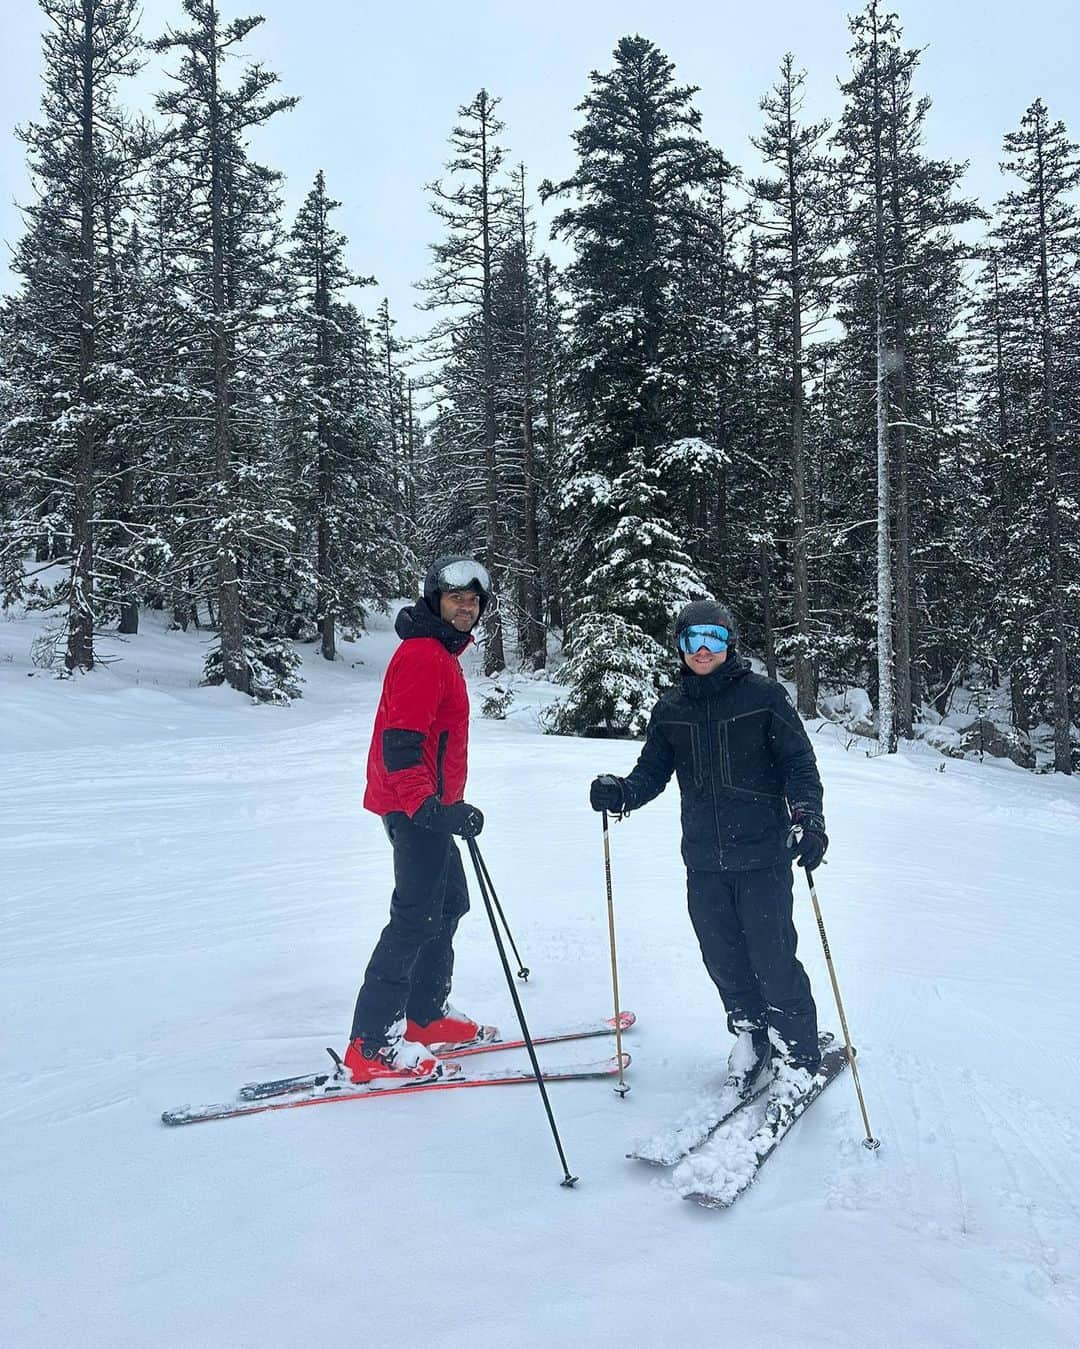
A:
[332,1089]
[717,1180]
[258,1091]
[695,1127]
[704,1118]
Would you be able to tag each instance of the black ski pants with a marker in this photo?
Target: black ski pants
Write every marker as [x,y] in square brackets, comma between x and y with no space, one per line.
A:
[410,970]
[744,927]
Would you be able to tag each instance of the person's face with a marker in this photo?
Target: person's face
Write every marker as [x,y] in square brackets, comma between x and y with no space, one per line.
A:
[703,661]
[459,608]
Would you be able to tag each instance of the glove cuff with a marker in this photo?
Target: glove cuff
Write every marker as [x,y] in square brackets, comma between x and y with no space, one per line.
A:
[807,818]
[429,813]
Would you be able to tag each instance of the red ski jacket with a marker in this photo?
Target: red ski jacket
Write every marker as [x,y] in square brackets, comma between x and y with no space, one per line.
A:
[420,743]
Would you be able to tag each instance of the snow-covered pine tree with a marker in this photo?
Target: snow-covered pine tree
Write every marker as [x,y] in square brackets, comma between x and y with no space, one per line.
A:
[922,250]
[395,412]
[899,230]
[83,158]
[799,214]
[551,352]
[1038,233]
[641,167]
[616,666]
[474,208]
[176,573]
[347,501]
[523,458]
[944,477]
[862,138]
[230,237]
[1002,533]
[708,449]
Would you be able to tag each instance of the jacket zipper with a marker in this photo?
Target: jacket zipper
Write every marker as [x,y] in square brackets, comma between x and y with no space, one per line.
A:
[712,780]
[440,754]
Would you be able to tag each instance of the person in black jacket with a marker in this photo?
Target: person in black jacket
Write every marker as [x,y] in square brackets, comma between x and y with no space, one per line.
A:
[751,802]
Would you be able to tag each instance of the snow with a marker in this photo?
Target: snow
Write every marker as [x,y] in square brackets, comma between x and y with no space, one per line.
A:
[192,890]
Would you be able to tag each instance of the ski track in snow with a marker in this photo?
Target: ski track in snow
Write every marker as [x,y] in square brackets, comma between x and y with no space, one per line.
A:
[972,1165]
[191,889]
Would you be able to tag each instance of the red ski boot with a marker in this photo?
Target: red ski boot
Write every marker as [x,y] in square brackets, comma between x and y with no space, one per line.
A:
[399,1057]
[452,1028]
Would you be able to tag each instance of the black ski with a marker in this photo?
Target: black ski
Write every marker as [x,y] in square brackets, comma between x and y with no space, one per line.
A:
[780,1116]
[670,1146]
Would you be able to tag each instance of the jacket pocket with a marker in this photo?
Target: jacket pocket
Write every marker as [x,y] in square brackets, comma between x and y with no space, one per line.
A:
[697,754]
[725,755]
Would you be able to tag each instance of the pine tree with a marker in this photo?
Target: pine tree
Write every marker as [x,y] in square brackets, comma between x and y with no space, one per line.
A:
[800,215]
[1038,246]
[903,212]
[474,208]
[641,161]
[344,480]
[230,235]
[83,157]
[395,410]
[524,469]
[704,352]
[862,135]
[616,666]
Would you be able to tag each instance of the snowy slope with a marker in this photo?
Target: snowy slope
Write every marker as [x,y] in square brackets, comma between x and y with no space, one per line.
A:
[191,891]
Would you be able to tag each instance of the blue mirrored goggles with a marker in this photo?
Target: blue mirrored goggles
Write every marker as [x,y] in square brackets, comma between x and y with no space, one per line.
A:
[711,637]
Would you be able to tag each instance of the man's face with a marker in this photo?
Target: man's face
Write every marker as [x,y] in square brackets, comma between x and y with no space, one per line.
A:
[459,608]
[703,661]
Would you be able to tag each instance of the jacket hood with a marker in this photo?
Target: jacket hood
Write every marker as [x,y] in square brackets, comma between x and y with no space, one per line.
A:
[417,620]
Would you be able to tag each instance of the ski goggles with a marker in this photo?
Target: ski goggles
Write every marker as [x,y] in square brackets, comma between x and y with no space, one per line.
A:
[463,576]
[712,638]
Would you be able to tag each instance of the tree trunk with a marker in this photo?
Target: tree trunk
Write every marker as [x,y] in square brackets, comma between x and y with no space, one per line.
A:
[800,597]
[494,655]
[234,666]
[766,607]
[886,704]
[326,617]
[899,387]
[535,643]
[1062,717]
[80,637]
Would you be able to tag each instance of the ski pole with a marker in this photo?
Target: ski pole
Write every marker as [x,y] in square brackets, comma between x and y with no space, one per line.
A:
[869,1141]
[622,1087]
[523,969]
[483,880]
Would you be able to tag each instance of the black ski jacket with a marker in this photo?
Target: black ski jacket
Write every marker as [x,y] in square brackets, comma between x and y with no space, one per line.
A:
[742,757]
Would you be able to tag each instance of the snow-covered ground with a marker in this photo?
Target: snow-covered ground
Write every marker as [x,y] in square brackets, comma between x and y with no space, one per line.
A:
[191,890]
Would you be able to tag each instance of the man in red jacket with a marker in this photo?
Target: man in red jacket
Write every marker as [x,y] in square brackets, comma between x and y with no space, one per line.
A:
[416,770]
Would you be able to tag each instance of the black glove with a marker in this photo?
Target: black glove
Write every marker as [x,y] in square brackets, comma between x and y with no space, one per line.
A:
[606,793]
[809,846]
[460,818]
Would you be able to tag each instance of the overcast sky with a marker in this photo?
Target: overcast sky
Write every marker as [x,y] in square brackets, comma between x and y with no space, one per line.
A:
[380,85]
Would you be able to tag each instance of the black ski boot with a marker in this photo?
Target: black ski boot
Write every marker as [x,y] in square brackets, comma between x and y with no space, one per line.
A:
[750,1055]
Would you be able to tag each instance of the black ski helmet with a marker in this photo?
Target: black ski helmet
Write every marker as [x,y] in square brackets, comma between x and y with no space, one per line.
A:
[454,572]
[705,613]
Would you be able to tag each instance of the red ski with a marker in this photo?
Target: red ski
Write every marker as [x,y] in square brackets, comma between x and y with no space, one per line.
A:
[337,1089]
[484,1044]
